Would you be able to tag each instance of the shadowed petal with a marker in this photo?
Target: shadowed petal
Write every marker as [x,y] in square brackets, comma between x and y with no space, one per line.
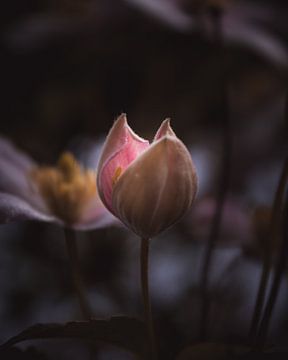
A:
[15,167]
[122,146]
[87,150]
[14,180]
[95,216]
[157,188]
[15,156]
[167,12]
[13,209]
[258,40]
[98,222]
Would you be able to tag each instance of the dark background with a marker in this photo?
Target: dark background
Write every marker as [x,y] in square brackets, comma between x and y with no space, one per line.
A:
[68,68]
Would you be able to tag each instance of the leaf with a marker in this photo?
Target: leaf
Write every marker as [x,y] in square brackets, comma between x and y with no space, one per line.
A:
[121,331]
[209,351]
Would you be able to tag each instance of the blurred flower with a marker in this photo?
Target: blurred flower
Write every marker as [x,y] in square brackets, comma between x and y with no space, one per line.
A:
[236,224]
[243,22]
[166,11]
[65,194]
[148,187]
[260,27]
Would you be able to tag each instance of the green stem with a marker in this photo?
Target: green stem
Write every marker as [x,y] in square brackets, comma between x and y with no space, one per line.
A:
[72,250]
[146,297]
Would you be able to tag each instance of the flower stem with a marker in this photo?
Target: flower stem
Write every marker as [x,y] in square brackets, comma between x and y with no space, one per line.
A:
[72,250]
[282,212]
[224,181]
[273,239]
[146,297]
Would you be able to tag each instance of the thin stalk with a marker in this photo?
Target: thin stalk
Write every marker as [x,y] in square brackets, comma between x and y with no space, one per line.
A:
[72,250]
[280,265]
[146,297]
[224,182]
[272,240]
[260,296]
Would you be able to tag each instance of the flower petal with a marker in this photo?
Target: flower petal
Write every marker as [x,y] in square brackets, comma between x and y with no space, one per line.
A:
[86,150]
[14,155]
[14,180]
[122,146]
[13,209]
[15,166]
[106,219]
[164,129]
[95,216]
[157,188]
[167,12]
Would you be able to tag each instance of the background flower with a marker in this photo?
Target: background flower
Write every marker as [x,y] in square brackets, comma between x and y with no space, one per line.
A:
[66,194]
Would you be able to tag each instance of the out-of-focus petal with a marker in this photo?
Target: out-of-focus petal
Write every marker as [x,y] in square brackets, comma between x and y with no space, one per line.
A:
[236,225]
[14,178]
[13,209]
[166,11]
[157,188]
[257,39]
[122,146]
[35,32]
[87,150]
[15,156]
[98,222]
[95,216]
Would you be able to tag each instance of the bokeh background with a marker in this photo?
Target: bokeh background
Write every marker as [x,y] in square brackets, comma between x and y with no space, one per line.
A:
[68,69]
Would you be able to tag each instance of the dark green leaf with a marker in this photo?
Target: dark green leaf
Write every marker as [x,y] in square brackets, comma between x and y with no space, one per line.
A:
[122,331]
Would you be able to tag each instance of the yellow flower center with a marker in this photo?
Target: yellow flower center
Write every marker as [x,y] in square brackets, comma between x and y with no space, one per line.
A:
[116,175]
[66,188]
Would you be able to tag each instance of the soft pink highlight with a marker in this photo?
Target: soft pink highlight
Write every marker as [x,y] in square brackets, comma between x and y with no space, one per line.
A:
[129,147]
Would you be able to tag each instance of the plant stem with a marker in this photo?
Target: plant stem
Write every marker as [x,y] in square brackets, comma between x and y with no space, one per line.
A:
[146,297]
[281,263]
[72,250]
[224,181]
[268,251]
[260,296]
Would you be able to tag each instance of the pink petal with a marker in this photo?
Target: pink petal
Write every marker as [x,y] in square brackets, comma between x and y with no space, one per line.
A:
[164,129]
[122,146]
[95,216]
[14,209]
[105,220]
[15,166]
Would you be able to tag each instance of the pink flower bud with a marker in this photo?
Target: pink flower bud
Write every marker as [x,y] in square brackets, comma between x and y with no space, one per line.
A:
[148,187]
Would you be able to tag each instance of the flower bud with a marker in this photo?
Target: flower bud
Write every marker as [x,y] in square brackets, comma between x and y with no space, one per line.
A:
[147,187]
